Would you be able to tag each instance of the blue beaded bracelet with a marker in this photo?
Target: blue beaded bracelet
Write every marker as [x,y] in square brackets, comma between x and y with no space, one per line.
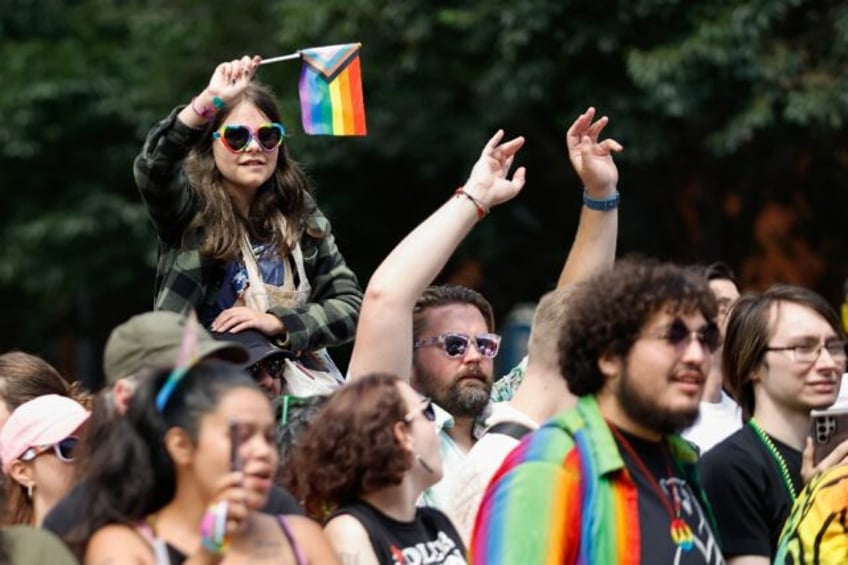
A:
[603,205]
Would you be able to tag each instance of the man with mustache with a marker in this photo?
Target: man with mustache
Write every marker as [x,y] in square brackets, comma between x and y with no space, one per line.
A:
[451,328]
[610,481]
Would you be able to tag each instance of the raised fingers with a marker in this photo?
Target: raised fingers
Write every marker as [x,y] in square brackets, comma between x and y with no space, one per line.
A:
[489,148]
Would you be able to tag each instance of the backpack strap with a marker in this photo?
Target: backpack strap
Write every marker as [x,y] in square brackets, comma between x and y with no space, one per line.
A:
[511,429]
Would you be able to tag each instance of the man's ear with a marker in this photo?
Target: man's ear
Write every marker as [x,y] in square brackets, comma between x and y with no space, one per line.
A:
[179,446]
[610,365]
[21,473]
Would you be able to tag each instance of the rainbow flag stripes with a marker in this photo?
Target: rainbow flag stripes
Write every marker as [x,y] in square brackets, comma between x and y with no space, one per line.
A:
[330,91]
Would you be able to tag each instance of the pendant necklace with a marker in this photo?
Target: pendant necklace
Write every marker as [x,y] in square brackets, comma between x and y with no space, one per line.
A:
[778,458]
[681,533]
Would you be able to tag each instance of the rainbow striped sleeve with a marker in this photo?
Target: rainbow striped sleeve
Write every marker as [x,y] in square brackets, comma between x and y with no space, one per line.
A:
[330,89]
[530,511]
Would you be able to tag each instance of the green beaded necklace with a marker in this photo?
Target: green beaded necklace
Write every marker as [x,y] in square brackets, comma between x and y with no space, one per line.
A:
[775,454]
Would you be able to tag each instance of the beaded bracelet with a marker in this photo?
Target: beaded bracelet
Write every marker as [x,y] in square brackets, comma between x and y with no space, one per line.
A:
[213,528]
[482,210]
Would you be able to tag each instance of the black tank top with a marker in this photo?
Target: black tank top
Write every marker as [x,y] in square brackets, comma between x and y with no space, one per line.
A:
[430,538]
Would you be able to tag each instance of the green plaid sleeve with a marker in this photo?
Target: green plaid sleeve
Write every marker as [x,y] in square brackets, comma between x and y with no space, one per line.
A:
[159,176]
[332,312]
[505,387]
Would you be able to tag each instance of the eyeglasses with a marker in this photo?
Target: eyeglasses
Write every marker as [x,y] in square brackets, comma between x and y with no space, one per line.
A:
[273,367]
[237,138]
[455,345]
[679,336]
[64,450]
[810,352]
[425,409]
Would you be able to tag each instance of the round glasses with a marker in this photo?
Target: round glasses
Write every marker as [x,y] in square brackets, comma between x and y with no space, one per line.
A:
[237,138]
[65,450]
[456,344]
[679,336]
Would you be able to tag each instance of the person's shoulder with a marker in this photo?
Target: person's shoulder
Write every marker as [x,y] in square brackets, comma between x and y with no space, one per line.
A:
[737,444]
[26,545]
[315,223]
[281,501]
[120,542]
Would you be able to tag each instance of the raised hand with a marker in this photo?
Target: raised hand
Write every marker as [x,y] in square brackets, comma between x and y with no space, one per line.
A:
[231,78]
[591,159]
[488,180]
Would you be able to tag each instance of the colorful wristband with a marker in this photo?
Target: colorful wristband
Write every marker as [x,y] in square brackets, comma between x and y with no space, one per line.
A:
[481,209]
[603,204]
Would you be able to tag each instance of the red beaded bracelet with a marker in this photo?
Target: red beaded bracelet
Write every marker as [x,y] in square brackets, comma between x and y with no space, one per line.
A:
[481,209]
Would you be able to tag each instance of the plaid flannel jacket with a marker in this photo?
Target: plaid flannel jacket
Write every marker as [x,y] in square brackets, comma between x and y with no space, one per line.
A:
[186,280]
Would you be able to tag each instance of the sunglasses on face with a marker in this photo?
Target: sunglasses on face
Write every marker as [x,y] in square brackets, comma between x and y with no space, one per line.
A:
[679,336]
[455,345]
[273,367]
[64,450]
[425,409]
[237,138]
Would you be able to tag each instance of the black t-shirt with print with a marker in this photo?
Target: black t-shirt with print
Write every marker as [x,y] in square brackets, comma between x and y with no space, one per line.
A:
[430,538]
[747,492]
[655,519]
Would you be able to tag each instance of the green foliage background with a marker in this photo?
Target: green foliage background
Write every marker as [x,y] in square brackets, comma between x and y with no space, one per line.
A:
[732,114]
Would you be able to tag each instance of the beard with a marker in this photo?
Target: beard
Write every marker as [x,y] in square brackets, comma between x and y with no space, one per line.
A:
[646,411]
[462,398]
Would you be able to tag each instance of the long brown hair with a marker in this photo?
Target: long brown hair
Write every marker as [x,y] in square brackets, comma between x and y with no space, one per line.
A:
[285,196]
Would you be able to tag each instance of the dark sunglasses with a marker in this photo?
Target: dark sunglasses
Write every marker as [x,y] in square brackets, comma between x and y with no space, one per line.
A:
[455,345]
[237,138]
[679,336]
[425,408]
[273,367]
[64,450]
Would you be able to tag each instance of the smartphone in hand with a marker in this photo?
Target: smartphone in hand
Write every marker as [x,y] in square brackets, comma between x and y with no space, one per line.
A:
[237,437]
[828,429]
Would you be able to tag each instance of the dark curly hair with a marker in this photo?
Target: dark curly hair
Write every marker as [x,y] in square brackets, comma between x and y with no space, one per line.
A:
[444,295]
[350,448]
[608,311]
[749,329]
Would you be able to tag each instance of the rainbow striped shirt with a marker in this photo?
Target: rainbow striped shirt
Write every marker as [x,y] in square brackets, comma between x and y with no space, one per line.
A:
[563,495]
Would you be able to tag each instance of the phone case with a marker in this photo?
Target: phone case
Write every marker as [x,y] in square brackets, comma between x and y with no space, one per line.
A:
[829,428]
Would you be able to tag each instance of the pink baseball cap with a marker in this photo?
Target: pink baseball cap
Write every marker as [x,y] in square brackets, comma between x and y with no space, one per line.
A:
[44,420]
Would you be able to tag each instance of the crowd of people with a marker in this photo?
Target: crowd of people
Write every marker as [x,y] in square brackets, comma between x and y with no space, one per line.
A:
[658,417]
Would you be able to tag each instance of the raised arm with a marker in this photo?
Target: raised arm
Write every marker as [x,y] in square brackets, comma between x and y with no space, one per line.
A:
[593,249]
[384,333]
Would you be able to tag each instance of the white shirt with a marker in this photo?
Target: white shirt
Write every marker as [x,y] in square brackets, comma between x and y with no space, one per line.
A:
[716,421]
[480,465]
